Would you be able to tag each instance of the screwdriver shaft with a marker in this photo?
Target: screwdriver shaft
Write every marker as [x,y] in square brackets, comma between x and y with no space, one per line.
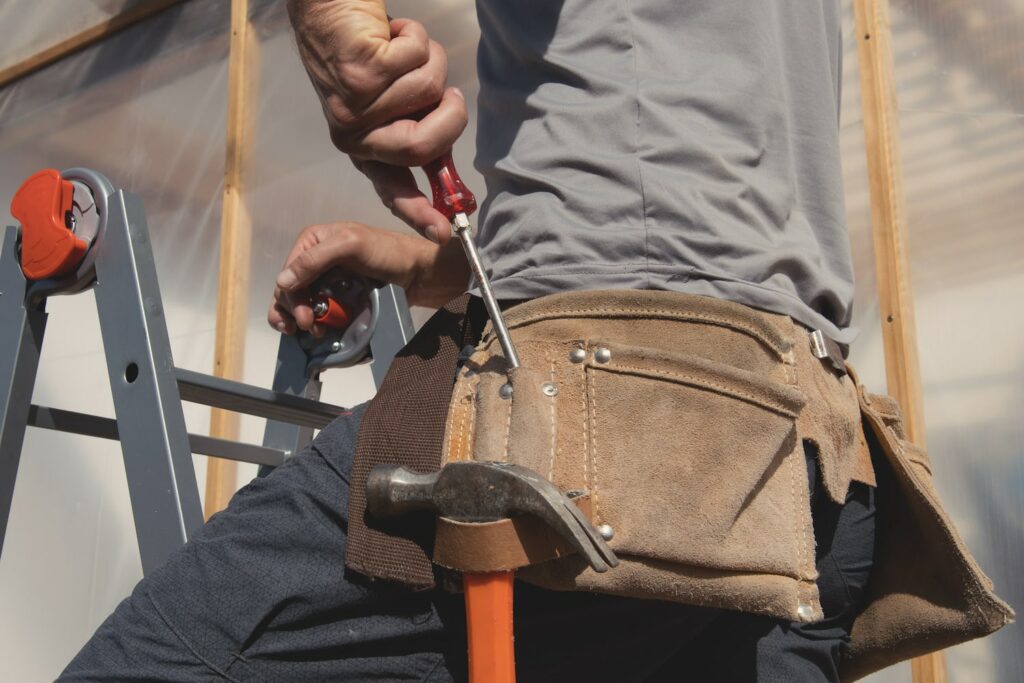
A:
[461,227]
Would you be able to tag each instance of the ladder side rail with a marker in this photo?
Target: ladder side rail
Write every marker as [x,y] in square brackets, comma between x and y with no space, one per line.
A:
[21,340]
[147,404]
[394,330]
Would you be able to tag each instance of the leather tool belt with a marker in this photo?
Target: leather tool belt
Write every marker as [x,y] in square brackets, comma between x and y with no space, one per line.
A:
[684,419]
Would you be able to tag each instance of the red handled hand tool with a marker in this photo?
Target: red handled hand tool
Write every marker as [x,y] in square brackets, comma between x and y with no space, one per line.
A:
[330,312]
[475,492]
[453,199]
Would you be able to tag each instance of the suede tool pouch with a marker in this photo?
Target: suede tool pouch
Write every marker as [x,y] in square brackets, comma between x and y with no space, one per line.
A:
[926,591]
[681,426]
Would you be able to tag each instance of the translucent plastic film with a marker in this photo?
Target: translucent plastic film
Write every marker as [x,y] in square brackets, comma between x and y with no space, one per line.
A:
[961,112]
[29,26]
[146,108]
[960,83]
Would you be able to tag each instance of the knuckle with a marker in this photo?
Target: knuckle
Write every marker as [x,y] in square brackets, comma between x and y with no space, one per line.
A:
[356,79]
[431,83]
[439,57]
[341,140]
[341,107]
[304,261]
[354,234]
[344,119]
[420,150]
[309,234]
[417,29]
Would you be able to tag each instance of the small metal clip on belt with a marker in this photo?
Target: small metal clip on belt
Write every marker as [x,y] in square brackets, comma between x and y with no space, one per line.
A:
[825,348]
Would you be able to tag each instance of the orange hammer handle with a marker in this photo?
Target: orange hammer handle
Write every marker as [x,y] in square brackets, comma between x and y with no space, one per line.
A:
[489,627]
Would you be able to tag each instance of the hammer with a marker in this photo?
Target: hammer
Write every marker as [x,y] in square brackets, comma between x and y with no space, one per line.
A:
[478,491]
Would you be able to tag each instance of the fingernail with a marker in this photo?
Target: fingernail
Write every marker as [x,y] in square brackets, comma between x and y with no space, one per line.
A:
[459,93]
[287,279]
[430,232]
[282,327]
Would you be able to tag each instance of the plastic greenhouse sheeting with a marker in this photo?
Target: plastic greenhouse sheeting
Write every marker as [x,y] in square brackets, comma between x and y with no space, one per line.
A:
[28,26]
[147,108]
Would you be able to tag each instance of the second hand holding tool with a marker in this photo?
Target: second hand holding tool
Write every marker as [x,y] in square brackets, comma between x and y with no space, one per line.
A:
[453,199]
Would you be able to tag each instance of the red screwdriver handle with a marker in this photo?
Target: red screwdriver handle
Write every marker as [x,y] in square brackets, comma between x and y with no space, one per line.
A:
[451,196]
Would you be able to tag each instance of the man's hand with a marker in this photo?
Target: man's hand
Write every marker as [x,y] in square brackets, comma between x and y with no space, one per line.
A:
[430,274]
[376,77]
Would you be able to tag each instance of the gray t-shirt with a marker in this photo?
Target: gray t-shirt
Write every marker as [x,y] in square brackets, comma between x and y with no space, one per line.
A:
[686,145]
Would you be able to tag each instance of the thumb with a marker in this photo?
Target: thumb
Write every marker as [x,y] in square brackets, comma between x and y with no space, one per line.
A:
[308,265]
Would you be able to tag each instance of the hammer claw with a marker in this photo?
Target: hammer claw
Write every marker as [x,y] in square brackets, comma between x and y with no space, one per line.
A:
[480,491]
[592,546]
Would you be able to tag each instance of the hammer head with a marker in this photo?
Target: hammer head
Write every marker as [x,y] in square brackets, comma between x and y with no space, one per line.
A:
[478,491]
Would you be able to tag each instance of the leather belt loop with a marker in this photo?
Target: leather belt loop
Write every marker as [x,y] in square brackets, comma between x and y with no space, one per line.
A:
[824,348]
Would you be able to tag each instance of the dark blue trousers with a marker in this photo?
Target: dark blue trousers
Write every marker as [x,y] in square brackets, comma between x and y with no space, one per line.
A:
[261,594]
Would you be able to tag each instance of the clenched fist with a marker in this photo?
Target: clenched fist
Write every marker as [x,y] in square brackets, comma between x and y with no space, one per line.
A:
[382,85]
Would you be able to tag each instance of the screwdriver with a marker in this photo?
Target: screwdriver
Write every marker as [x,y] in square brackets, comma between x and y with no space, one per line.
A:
[453,199]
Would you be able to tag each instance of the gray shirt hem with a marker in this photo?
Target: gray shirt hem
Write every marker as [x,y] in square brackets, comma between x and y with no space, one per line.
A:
[534,283]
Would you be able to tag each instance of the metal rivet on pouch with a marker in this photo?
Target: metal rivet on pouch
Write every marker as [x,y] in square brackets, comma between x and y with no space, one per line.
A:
[602,355]
[549,389]
[606,531]
[577,355]
[505,391]
[805,612]
[336,346]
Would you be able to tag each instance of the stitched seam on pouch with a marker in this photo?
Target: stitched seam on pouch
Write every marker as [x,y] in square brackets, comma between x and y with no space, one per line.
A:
[801,538]
[455,443]
[471,432]
[789,364]
[461,452]
[586,424]
[554,400]
[689,379]
[591,381]
[508,427]
[779,347]
[449,426]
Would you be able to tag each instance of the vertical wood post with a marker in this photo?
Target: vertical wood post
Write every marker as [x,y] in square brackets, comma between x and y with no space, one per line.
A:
[889,232]
[235,238]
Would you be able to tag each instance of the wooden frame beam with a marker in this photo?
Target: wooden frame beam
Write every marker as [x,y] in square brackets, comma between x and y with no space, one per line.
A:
[83,39]
[235,241]
[889,233]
